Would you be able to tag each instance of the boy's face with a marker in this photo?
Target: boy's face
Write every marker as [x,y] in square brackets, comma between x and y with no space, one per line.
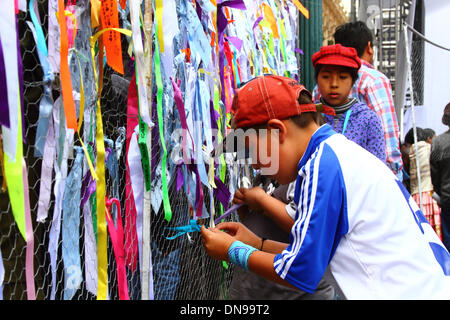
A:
[272,152]
[335,84]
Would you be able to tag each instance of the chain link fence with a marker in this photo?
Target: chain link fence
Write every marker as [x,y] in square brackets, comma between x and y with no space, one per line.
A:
[180,267]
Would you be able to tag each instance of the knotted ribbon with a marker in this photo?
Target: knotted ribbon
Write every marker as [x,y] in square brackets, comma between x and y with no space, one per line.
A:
[71,228]
[116,235]
[191,227]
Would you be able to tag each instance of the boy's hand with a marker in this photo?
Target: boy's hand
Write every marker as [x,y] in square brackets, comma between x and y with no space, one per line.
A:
[240,232]
[216,243]
[251,197]
[218,240]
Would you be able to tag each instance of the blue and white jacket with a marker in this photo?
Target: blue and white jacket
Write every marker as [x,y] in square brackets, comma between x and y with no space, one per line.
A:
[355,217]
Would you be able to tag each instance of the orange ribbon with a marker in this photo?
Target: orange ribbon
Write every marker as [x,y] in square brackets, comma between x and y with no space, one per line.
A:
[66,83]
[110,19]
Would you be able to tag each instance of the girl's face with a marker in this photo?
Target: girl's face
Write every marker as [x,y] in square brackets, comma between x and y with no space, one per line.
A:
[335,84]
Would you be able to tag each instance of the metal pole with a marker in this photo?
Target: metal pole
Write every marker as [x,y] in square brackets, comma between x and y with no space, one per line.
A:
[408,63]
[353,11]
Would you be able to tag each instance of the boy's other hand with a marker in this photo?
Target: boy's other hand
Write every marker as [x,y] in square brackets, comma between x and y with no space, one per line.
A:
[251,197]
[240,232]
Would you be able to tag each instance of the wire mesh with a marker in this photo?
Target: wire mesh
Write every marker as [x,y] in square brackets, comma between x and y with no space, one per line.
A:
[180,268]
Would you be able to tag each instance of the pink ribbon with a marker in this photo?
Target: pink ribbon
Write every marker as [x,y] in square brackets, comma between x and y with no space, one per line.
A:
[116,235]
[29,264]
[131,240]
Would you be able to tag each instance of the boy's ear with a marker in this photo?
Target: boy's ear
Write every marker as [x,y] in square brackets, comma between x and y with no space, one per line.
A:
[368,53]
[276,124]
[370,48]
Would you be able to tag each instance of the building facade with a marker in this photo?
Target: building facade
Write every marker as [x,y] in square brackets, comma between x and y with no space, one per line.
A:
[333,15]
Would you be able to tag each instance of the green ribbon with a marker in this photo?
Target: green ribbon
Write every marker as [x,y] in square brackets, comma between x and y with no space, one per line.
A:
[93,197]
[142,142]
[159,85]
[14,177]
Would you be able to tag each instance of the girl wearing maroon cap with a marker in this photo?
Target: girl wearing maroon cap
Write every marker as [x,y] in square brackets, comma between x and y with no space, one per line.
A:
[336,70]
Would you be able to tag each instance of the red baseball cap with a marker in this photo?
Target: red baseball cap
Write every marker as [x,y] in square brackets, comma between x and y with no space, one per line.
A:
[270,97]
[337,55]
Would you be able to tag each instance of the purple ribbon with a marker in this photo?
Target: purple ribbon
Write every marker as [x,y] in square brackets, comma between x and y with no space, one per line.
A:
[221,192]
[228,212]
[192,166]
[4,109]
[258,20]
[237,43]
[20,70]
[199,191]
[180,177]
[222,23]
[299,51]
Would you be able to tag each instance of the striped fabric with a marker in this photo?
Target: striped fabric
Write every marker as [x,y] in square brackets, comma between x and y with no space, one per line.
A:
[431,211]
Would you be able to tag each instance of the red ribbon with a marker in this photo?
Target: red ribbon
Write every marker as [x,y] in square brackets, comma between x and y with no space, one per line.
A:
[116,235]
[131,239]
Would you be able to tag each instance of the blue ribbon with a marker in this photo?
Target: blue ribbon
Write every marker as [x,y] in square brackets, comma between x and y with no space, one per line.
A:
[347,116]
[191,227]
[46,103]
[71,228]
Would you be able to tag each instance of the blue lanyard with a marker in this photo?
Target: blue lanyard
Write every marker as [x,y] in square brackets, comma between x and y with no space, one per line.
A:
[347,116]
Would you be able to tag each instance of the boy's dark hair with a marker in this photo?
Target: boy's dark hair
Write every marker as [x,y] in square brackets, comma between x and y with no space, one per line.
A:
[354,34]
[301,120]
[446,115]
[304,119]
[429,133]
[353,72]
[421,135]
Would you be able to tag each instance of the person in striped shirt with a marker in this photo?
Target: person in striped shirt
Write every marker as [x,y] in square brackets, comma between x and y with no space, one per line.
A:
[372,88]
[355,223]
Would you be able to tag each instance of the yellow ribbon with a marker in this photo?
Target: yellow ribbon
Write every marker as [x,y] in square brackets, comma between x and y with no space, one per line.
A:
[301,8]
[159,12]
[270,18]
[95,13]
[102,257]
[14,177]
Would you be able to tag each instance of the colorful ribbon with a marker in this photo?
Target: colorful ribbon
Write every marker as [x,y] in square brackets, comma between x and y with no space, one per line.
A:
[29,260]
[159,85]
[116,235]
[228,212]
[131,242]
[71,228]
[66,84]
[4,110]
[191,227]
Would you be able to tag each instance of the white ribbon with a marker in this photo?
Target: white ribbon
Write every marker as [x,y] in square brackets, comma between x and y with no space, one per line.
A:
[47,165]
[137,184]
[90,251]
[140,63]
[61,175]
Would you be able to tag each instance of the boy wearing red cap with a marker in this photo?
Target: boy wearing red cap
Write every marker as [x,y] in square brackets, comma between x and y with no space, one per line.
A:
[354,218]
[336,70]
